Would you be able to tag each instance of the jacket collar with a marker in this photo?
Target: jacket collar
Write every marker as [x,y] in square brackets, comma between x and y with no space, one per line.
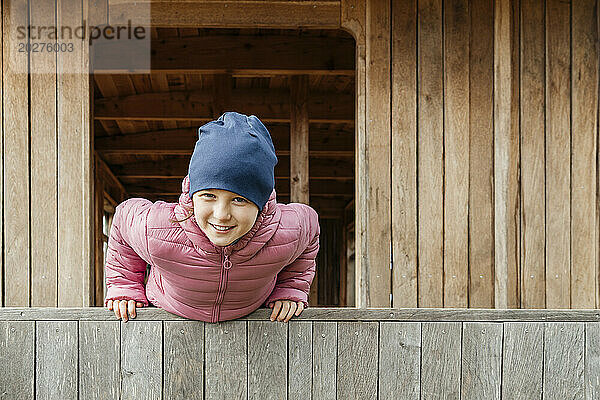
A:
[264,226]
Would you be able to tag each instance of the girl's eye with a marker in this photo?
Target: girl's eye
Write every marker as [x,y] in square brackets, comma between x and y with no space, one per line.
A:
[240,199]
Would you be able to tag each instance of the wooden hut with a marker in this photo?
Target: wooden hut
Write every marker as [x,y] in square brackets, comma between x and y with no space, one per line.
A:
[450,147]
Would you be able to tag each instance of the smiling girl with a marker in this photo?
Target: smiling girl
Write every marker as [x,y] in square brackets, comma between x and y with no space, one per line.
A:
[226,247]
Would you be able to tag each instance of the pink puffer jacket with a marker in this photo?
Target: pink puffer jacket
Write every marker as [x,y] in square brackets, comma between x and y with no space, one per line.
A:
[196,279]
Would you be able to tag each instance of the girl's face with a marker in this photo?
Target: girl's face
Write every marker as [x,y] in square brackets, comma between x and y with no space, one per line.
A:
[215,209]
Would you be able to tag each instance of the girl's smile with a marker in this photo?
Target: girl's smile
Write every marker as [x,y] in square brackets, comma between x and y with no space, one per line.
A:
[223,216]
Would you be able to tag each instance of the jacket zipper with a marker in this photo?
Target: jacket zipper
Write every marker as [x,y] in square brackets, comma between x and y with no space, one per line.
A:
[226,264]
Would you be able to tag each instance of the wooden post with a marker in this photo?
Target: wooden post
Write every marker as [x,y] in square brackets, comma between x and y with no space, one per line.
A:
[299,177]
[221,94]
[353,19]
[99,248]
[506,151]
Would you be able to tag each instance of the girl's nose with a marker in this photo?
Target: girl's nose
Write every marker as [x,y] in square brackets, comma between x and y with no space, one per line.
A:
[221,212]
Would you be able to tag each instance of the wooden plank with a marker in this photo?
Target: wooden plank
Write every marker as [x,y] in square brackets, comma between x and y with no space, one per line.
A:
[319,314]
[184,360]
[270,105]
[404,154]
[456,153]
[233,54]
[227,14]
[177,167]
[430,148]
[400,360]
[558,154]
[172,186]
[592,360]
[481,371]
[56,360]
[533,287]
[522,360]
[226,368]
[584,97]
[481,166]
[377,166]
[2,264]
[506,151]
[44,240]
[353,20]
[141,359]
[267,359]
[99,354]
[181,141]
[357,355]
[324,360]
[16,159]
[300,356]
[564,360]
[440,360]
[75,229]
[17,346]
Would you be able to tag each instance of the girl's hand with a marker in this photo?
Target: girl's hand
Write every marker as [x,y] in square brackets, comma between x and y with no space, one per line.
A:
[285,309]
[121,307]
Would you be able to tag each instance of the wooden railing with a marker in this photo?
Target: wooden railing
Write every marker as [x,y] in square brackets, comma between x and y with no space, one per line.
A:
[325,353]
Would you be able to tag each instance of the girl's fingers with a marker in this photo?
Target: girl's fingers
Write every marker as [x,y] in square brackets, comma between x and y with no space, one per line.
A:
[109,305]
[123,310]
[140,304]
[290,313]
[131,308]
[116,308]
[276,308]
[300,308]
[284,311]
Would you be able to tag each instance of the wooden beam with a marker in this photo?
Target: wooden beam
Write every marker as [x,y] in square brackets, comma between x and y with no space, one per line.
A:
[111,184]
[177,167]
[226,14]
[323,188]
[233,54]
[322,142]
[271,105]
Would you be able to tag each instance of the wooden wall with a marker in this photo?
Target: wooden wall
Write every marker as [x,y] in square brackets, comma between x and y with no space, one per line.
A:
[476,138]
[325,353]
[46,185]
[479,155]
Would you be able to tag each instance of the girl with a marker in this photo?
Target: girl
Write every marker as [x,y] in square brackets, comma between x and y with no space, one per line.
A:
[226,247]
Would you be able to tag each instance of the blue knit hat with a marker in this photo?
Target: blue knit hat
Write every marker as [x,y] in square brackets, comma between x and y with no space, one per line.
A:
[234,153]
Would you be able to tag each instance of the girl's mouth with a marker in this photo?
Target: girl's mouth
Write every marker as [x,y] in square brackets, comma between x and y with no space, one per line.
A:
[220,228]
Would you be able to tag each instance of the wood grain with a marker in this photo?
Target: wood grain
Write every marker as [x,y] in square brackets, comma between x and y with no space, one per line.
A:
[430,149]
[404,153]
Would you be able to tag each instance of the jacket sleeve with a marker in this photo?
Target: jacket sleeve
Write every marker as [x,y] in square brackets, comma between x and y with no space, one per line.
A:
[127,253]
[294,280]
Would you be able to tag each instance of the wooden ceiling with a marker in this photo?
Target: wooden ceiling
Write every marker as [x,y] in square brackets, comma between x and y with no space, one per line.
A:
[146,124]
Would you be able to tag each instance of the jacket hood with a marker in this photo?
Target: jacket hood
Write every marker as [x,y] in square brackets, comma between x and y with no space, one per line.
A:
[263,229]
